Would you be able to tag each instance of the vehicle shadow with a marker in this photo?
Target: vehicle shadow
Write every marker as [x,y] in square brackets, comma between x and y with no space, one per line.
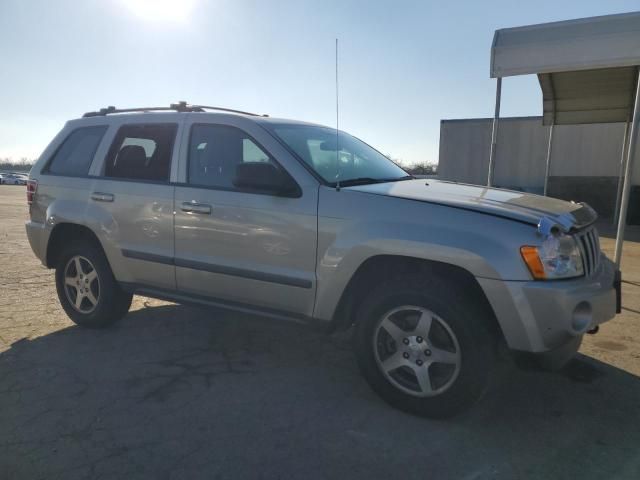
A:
[181,392]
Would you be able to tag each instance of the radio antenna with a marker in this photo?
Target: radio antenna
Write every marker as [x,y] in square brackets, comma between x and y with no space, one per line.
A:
[337,131]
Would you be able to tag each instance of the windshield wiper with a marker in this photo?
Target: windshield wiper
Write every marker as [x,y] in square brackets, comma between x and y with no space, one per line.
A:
[369,180]
[359,181]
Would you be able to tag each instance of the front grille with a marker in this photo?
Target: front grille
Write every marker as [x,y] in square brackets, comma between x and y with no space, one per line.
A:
[589,245]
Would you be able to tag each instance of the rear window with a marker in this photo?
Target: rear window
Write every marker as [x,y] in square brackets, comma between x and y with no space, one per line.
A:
[142,152]
[76,153]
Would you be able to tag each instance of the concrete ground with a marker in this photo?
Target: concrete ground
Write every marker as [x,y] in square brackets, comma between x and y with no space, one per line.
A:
[176,392]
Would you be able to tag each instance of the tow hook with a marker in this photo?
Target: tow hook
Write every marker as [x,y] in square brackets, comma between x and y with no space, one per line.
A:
[594,330]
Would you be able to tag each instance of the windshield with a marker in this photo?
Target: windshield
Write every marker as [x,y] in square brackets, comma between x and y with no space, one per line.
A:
[358,162]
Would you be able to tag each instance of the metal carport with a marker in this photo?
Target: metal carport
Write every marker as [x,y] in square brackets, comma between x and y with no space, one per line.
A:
[588,72]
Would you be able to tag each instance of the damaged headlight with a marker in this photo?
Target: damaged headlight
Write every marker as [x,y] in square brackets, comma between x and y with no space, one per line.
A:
[558,257]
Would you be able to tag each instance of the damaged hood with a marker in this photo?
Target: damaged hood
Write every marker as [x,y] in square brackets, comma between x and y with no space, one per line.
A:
[544,212]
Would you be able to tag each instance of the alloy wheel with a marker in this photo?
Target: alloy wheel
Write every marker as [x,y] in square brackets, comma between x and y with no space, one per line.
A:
[81,284]
[417,351]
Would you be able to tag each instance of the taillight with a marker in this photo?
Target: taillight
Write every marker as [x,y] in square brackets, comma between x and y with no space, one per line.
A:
[32,187]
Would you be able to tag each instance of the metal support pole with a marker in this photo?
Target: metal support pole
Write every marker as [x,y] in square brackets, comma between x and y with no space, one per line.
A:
[625,147]
[547,169]
[494,133]
[628,171]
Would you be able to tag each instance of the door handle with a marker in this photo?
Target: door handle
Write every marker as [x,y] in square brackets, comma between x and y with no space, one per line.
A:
[102,197]
[194,207]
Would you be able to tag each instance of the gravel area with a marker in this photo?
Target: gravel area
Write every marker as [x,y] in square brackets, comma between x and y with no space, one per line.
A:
[175,392]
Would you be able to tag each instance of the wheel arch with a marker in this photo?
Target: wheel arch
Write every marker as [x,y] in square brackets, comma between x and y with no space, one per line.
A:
[379,268]
[64,233]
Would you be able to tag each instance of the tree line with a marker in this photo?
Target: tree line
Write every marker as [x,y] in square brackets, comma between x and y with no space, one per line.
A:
[422,169]
[22,165]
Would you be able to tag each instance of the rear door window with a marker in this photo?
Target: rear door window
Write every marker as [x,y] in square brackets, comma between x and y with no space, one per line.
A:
[142,152]
[75,155]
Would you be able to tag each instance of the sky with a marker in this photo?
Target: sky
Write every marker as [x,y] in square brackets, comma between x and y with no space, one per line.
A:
[403,65]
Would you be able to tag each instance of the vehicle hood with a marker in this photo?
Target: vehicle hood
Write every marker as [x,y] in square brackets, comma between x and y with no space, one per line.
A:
[523,207]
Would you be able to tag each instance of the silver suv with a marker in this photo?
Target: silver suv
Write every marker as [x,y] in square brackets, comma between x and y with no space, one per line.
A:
[297,221]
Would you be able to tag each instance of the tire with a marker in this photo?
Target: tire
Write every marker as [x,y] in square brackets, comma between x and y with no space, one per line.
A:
[445,330]
[103,302]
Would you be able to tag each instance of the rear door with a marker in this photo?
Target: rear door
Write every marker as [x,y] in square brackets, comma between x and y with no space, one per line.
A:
[243,247]
[132,195]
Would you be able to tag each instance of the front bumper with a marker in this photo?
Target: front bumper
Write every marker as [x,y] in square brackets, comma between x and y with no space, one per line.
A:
[541,316]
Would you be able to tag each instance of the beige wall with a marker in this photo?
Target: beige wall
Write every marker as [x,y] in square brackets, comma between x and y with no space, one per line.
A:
[578,150]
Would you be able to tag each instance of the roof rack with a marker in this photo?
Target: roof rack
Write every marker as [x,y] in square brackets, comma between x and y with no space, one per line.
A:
[202,108]
[176,107]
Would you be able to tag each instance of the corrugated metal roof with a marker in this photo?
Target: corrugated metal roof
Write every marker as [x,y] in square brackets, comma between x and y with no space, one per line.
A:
[588,96]
[586,67]
[585,44]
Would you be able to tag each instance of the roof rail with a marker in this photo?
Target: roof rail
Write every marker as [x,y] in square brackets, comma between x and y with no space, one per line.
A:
[111,109]
[205,107]
[177,107]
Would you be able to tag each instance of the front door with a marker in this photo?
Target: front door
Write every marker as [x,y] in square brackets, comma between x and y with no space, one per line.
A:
[242,247]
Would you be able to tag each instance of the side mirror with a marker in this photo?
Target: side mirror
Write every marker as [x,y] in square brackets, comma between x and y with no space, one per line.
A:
[265,177]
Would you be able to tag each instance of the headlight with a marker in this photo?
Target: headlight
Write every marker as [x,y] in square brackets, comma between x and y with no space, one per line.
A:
[557,257]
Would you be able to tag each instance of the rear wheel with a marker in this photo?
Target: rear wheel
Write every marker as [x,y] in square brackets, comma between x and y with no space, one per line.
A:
[87,290]
[425,347]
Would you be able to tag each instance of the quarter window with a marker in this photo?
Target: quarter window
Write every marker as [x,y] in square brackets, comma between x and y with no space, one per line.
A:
[75,155]
[216,150]
[142,152]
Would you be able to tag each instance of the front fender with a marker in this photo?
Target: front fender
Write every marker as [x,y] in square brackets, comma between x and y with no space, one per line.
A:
[484,245]
[343,257]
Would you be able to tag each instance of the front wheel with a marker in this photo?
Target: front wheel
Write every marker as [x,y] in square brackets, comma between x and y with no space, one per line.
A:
[87,289]
[424,347]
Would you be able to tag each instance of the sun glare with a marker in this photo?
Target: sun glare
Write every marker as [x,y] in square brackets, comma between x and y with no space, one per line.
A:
[178,11]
